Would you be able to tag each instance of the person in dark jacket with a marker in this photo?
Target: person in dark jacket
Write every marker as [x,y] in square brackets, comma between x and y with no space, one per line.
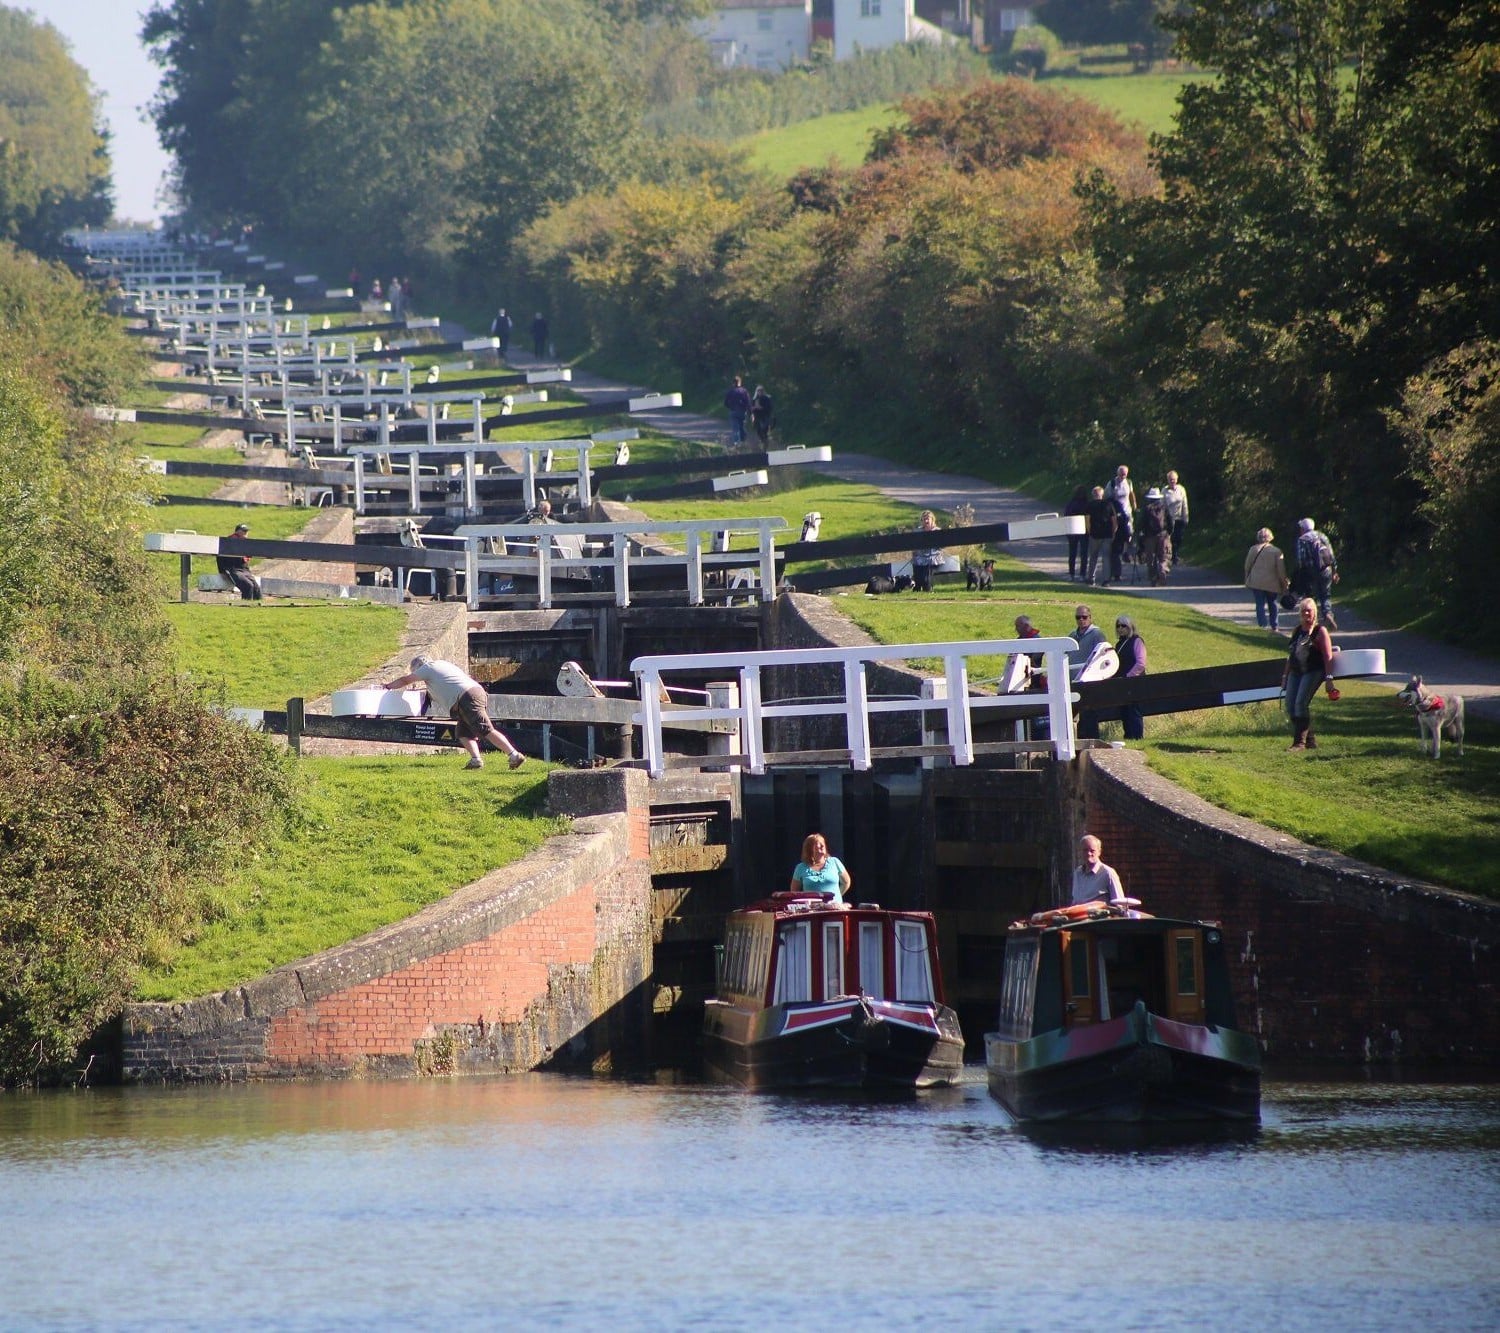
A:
[1130,648]
[1102,520]
[539,336]
[1078,547]
[761,406]
[236,568]
[500,327]
[737,400]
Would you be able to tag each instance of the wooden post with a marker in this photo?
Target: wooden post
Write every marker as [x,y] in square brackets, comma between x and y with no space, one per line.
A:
[294,725]
[187,573]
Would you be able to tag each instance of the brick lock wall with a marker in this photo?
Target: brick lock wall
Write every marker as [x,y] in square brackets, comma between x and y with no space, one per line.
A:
[1333,960]
[550,955]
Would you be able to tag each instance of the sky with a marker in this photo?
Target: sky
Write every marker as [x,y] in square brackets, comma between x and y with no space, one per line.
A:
[103,36]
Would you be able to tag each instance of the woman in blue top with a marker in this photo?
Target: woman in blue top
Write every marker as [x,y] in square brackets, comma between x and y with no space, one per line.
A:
[817,872]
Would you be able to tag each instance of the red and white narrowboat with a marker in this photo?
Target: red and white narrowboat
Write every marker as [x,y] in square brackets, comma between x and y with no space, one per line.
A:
[813,994]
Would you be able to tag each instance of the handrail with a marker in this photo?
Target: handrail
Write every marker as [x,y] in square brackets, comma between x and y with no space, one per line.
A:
[856,706]
[544,561]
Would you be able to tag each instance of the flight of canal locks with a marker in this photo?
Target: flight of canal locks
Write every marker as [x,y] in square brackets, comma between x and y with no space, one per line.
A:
[644,1075]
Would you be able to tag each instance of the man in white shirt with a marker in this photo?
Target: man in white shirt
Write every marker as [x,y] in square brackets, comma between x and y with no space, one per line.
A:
[1094,881]
[463,698]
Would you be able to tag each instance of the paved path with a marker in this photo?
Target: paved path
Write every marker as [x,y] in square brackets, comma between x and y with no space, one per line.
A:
[1444,668]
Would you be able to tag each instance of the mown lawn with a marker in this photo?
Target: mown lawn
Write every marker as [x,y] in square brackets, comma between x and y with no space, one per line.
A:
[374,841]
[260,654]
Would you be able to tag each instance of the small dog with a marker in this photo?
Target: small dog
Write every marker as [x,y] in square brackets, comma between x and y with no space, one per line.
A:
[812,521]
[981,576]
[384,577]
[883,583]
[1438,715]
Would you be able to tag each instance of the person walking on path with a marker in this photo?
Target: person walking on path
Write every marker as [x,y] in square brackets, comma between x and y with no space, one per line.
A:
[1307,661]
[539,331]
[1174,496]
[737,400]
[236,568]
[1265,576]
[463,698]
[1103,517]
[1078,547]
[501,327]
[1121,490]
[1093,881]
[761,407]
[1317,569]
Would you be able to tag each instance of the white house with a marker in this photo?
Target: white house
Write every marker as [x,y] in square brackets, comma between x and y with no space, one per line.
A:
[872,24]
[764,34]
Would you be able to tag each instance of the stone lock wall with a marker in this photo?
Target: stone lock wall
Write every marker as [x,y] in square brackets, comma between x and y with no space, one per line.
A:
[1334,960]
[548,957]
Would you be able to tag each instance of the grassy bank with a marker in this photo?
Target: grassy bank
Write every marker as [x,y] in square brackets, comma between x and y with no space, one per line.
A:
[374,841]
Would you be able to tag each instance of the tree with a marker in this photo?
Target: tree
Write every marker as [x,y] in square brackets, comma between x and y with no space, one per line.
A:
[1318,240]
[54,158]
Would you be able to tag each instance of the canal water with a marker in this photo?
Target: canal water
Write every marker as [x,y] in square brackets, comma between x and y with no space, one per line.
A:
[544,1200]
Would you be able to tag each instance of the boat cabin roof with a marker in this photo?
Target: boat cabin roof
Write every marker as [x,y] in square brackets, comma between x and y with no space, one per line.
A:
[785,905]
[1103,918]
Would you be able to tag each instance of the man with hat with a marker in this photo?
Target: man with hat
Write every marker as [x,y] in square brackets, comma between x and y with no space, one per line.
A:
[236,568]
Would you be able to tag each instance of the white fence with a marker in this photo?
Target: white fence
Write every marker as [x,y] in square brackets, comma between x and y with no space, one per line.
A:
[855,704]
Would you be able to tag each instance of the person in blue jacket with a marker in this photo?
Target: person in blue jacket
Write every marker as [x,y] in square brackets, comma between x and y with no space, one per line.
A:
[818,872]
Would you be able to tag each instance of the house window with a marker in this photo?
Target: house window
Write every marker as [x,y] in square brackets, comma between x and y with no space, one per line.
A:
[869,9]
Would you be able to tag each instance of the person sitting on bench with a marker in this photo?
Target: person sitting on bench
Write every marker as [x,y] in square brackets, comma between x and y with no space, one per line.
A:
[236,568]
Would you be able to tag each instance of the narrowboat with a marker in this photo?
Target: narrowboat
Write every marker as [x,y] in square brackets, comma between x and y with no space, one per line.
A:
[1112,1014]
[813,994]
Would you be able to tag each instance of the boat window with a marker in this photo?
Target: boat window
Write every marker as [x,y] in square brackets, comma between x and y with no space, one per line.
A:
[793,972]
[1016,990]
[871,960]
[1187,973]
[913,969]
[833,959]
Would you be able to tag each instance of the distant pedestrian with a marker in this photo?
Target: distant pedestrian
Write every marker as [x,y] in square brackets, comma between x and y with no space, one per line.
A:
[1317,569]
[377,293]
[1176,499]
[500,327]
[1103,517]
[398,300]
[737,400]
[1265,576]
[236,568]
[761,406]
[539,332]
[463,698]
[1078,547]
[1121,490]
[922,561]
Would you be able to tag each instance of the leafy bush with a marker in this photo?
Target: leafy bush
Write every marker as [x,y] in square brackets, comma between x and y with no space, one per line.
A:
[112,802]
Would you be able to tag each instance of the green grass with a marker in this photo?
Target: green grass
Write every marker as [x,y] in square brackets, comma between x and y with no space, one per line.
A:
[1367,791]
[375,840]
[843,136]
[260,654]
[1148,101]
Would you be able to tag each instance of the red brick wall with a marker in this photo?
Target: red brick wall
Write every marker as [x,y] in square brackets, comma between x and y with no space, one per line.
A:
[480,985]
[1332,959]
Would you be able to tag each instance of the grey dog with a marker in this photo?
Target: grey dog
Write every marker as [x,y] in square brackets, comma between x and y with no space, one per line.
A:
[1438,715]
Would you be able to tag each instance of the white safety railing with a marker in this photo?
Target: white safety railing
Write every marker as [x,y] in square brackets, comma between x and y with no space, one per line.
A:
[544,550]
[855,705]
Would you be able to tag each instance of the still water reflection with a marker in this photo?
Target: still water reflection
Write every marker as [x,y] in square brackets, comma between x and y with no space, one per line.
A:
[541,1200]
